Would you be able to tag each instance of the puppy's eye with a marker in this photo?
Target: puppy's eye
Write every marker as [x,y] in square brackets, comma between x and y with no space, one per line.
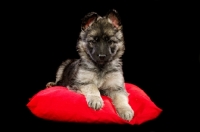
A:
[111,41]
[106,38]
[96,39]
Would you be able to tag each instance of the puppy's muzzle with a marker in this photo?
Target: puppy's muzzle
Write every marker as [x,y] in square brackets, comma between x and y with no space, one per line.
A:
[102,56]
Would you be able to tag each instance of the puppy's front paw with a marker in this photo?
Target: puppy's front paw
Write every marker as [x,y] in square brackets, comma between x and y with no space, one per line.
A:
[95,102]
[50,84]
[125,113]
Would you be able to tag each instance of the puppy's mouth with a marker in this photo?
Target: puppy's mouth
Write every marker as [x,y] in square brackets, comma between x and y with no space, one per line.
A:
[101,62]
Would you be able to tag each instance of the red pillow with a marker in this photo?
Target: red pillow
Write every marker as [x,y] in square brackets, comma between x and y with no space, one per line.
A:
[60,104]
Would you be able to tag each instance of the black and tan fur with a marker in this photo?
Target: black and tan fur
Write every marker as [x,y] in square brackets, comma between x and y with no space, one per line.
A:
[99,69]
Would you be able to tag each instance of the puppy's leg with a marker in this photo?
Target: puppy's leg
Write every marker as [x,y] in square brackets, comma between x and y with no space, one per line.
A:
[92,94]
[114,88]
[120,101]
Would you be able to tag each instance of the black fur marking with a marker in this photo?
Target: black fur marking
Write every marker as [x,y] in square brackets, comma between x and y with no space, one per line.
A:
[111,71]
[107,91]
[82,83]
[89,69]
[69,73]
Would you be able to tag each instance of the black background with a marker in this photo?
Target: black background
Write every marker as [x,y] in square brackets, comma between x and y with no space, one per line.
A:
[48,35]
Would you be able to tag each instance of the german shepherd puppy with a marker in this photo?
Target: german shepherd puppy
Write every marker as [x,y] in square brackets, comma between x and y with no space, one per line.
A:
[99,69]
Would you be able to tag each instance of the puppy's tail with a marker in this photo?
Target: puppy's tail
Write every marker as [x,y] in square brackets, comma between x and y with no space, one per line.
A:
[61,69]
[50,84]
[59,73]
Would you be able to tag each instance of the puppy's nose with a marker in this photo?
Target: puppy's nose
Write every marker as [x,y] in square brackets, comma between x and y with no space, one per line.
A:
[102,56]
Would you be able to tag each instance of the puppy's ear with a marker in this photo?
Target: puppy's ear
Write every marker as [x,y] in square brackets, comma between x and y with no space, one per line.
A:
[114,18]
[88,20]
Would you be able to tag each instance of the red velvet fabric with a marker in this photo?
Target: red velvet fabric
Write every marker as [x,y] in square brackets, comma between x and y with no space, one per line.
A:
[60,104]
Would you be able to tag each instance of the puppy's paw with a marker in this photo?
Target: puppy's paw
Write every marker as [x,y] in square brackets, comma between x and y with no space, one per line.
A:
[50,84]
[95,102]
[125,113]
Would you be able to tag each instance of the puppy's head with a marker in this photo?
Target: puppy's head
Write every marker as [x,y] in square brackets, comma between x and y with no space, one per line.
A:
[101,39]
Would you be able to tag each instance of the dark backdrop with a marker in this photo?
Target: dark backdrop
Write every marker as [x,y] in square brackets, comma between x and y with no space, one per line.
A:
[151,60]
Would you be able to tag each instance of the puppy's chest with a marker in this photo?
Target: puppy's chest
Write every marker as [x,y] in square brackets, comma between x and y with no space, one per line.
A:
[99,78]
